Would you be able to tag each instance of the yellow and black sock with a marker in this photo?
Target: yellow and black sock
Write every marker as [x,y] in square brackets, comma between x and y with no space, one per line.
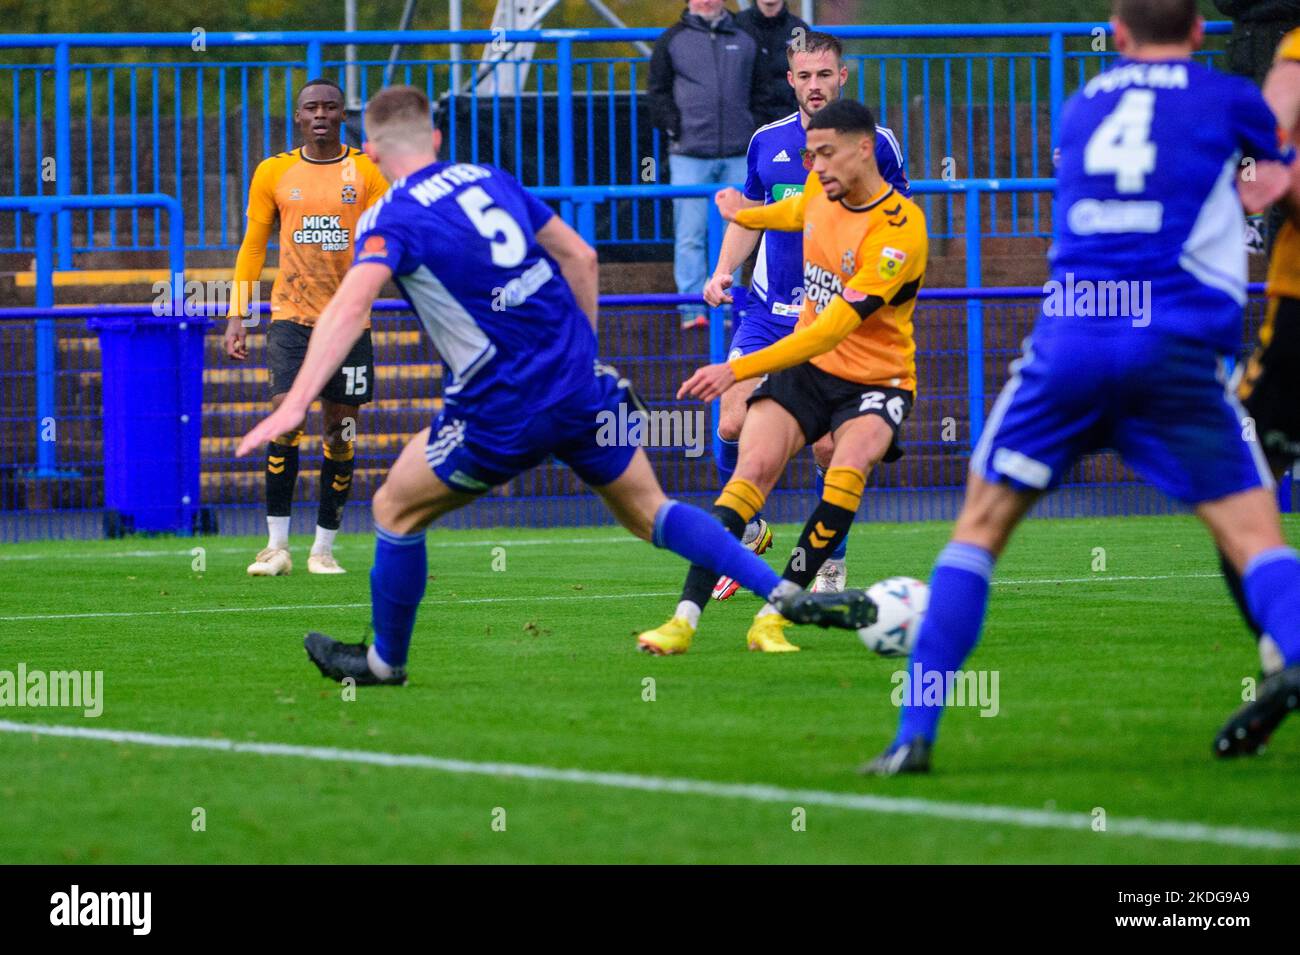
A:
[281,475]
[335,484]
[841,495]
[739,501]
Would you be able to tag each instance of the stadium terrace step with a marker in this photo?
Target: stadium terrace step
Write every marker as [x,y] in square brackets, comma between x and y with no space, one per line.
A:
[247,374]
[425,405]
[390,338]
[384,444]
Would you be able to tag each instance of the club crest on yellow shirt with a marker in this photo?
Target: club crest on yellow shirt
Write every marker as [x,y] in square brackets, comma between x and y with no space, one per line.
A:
[849,263]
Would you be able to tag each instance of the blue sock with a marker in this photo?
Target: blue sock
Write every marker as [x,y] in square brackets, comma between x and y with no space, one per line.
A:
[959,594]
[725,459]
[699,537]
[1272,585]
[396,587]
[842,548]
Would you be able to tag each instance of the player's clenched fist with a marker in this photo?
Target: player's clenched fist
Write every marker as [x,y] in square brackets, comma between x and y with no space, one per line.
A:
[729,202]
[707,383]
[715,290]
[236,339]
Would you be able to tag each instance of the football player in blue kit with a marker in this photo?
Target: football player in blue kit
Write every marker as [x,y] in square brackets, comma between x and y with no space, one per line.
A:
[1148,220]
[507,292]
[778,168]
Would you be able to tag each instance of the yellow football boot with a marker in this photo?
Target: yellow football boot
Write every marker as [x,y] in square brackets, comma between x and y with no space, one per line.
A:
[767,634]
[673,637]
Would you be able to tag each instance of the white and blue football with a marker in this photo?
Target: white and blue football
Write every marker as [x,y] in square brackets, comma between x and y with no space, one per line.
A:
[900,604]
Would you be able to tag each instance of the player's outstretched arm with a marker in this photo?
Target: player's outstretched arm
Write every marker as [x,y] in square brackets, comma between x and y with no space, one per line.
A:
[248,269]
[578,263]
[340,325]
[1282,93]
[784,216]
[737,245]
[833,325]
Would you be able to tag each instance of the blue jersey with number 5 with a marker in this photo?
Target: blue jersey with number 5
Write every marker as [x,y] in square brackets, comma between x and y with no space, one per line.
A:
[1149,153]
[461,240]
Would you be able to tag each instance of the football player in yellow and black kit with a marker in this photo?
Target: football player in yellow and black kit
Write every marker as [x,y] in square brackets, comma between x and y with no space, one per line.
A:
[318,192]
[848,368]
[1270,386]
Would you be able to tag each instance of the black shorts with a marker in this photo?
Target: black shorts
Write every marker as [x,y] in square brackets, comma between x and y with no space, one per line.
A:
[821,402]
[1271,385]
[286,347]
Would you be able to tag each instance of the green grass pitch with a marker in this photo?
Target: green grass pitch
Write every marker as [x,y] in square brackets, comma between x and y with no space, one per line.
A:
[1112,683]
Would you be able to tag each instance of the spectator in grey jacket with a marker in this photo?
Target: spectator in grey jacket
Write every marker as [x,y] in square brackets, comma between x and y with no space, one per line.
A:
[772,26]
[701,91]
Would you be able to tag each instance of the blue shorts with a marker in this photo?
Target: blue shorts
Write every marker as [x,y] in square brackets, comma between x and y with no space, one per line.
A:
[1161,402]
[585,431]
[757,329]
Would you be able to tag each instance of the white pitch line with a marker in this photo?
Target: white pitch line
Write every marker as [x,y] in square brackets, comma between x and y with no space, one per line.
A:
[347,606]
[258,608]
[342,545]
[1138,827]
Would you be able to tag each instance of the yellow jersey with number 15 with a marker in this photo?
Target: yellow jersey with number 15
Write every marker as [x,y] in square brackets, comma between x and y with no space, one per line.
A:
[318,203]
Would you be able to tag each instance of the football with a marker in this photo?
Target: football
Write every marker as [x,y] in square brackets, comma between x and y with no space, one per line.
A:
[901,603]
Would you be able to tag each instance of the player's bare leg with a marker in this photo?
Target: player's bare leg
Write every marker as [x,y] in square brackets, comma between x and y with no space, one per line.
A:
[958,597]
[769,438]
[833,575]
[410,499]
[1248,531]
[281,475]
[339,428]
[859,444]
[731,421]
[640,505]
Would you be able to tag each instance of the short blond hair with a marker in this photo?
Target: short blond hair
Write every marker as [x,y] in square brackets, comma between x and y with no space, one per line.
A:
[399,117]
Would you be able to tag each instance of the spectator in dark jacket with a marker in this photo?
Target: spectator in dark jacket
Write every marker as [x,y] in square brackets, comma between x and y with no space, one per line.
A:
[702,82]
[773,27]
[1257,28]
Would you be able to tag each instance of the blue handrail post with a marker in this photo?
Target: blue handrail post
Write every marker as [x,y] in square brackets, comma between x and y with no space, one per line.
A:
[974,315]
[1056,71]
[314,68]
[587,221]
[564,103]
[45,344]
[63,147]
[717,317]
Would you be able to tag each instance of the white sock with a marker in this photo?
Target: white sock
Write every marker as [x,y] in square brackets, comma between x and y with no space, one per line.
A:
[277,532]
[324,543]
[690,611]
[784,588]
[377,665]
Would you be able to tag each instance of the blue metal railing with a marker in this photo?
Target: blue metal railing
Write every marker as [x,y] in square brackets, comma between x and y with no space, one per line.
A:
[44,208]
[195,129]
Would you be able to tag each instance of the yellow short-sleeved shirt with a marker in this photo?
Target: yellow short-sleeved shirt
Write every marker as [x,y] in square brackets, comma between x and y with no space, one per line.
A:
[318,203]
[879,250]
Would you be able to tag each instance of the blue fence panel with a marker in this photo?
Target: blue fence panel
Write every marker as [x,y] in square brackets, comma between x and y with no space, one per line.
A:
[639,335]
[565,118]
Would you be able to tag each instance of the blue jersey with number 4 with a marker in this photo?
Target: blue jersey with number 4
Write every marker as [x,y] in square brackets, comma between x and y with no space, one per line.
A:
[462,243]
[1149,154]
